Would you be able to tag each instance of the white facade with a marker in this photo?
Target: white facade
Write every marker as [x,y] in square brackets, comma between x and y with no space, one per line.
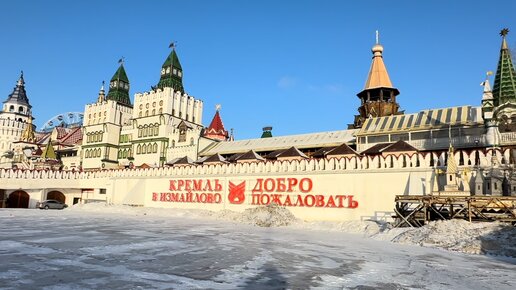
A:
[101,135]
[163,124]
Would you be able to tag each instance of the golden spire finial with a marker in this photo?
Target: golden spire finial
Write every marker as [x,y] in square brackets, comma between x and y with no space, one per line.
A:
[504,32]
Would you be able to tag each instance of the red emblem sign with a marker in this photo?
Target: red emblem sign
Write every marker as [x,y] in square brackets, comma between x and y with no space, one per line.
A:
[236,193]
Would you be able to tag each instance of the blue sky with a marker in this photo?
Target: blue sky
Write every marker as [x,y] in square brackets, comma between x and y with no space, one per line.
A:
[295,65]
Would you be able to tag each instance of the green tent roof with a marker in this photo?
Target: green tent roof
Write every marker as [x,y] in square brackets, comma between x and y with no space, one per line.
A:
[119,87]
[120,74]
[171,73]
[504,88]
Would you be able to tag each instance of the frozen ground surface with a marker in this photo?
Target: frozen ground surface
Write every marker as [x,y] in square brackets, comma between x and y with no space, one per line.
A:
[103,247]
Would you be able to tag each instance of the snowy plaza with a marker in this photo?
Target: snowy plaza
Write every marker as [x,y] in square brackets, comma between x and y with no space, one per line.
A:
[115,247]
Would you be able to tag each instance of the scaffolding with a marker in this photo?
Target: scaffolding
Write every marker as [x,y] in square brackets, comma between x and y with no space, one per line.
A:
[418,210]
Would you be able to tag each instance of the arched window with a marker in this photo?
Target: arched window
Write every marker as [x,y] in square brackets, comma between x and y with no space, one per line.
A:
[11,108]
[149,148]
[99,152]
[156,131]
[146,113]
[144,149]
[20,109]
[153,111]
[140,114]
[191,141]
[130,153]
[173,144]
[139,149]
[404,164]
[154,148]
[160,110]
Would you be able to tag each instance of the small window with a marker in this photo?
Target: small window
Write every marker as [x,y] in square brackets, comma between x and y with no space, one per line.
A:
[102,191]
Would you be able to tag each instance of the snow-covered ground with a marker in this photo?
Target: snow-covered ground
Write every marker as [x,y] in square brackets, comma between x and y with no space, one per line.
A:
[115,247]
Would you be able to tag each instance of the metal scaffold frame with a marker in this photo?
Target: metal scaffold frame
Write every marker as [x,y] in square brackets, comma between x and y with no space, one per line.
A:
[416,211]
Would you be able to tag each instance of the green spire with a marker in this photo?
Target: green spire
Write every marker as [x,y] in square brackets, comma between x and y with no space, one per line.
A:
[119,86]
[504,89]
[172,72]
[49,152]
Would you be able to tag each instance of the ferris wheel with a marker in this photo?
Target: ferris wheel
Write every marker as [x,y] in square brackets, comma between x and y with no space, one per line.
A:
[65,120]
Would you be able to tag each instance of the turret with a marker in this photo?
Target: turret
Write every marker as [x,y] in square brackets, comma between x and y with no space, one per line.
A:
[17,106]
[504,89]
[492,132]
[119,86]
[216,129]
[172,72]
[102,96]
[28,132]
[378,98]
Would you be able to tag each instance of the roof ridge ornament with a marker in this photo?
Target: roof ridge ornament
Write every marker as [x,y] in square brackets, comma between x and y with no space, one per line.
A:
[377,37]
[173,44]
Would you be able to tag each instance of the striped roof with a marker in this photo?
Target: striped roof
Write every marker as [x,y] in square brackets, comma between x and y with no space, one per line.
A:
[426,119]
[313,140]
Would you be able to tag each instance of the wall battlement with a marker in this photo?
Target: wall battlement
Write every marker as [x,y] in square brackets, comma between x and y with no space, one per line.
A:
[344,164]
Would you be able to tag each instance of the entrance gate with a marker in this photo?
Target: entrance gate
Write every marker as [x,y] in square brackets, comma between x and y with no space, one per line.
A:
[18,199]
[56,195]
